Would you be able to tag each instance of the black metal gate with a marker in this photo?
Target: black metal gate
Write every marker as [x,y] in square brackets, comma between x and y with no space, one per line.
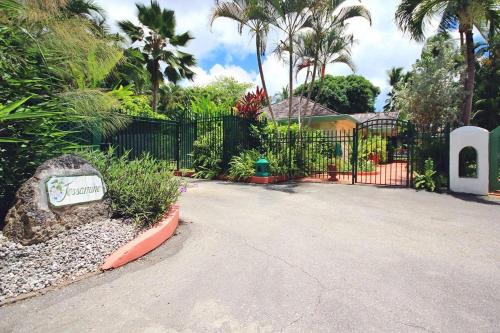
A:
[382,153]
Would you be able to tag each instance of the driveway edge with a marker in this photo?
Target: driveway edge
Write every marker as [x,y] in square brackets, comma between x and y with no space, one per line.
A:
[145,242]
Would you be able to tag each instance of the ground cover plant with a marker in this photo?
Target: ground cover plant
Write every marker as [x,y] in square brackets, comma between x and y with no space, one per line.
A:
[142,189]
[242,166]
[426,180]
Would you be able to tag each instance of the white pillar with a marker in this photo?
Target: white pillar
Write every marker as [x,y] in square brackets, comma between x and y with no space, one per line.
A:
[477,138]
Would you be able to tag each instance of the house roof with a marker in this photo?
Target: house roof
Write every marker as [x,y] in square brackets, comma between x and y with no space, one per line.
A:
[362,117]
[322,112]
[280,109]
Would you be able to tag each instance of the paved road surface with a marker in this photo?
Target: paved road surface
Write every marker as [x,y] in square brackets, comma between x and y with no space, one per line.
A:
[298,258]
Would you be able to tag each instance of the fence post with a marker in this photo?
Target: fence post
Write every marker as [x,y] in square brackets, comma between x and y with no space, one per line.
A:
[447,131]
[354,160]
[177,145]
[409,154]
[289,134]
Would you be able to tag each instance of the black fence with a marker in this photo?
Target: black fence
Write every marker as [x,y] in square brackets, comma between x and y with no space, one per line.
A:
[173,141]
[383,152]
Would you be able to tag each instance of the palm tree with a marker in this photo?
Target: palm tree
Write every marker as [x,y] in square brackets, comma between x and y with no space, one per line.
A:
[248,13]
[329,18]
[335,48]
[288,16]
[395,75]
[304,51]
[282,95]
[412,17]
[160,43]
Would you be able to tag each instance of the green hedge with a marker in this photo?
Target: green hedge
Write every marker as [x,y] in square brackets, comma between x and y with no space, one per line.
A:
[142,189]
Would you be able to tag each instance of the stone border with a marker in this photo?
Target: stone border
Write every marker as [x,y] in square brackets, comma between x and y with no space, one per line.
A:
[145,242]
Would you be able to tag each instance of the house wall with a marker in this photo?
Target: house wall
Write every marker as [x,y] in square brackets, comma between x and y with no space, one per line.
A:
[339,125]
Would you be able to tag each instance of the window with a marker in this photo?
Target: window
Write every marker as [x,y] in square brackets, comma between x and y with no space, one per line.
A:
[467,163]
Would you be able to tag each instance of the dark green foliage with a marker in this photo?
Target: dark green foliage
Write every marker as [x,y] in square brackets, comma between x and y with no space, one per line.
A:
[242,166]
[216,98]
[487,90]
[345,94]
[207,152]
[160,33]
[142,189]
[130,71]
[432,145]
[51,61]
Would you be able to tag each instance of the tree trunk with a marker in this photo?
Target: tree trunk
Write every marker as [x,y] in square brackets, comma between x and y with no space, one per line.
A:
[471,73]
[320,89]
[290,82]
[261,72]
[313,79]
[155,85]
[302,95]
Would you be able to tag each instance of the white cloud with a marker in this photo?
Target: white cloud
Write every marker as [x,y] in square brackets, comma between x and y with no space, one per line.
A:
[379,47]
[204,77]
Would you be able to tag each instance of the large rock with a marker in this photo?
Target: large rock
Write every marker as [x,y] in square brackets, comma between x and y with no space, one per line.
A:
[35,218]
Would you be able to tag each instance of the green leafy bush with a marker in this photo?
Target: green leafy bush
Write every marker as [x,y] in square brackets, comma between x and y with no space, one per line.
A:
[207,157]
[142,189]
[372,145]
[425,181]
[242,166]
[135,105]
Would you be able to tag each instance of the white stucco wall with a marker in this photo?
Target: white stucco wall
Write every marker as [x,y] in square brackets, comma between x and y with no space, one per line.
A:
[478,138]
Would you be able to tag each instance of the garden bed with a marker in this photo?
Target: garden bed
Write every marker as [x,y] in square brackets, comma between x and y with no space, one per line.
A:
[66,257]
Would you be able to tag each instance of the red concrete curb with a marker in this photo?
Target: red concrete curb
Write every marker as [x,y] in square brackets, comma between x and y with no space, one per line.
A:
[187,174]
[145,242]
[262,180]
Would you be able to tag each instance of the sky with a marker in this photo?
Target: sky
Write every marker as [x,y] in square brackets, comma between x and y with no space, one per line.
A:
[221,51]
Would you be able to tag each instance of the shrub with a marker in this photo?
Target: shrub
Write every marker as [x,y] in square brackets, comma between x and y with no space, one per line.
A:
[372,145]
[242,166]
[249,106]
[425,181]
[142,189]
[207,152]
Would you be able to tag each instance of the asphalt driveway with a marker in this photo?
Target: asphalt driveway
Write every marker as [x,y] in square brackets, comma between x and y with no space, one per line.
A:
[296,257]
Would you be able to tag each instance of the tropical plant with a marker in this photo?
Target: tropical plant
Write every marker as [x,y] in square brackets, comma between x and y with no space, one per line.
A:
[331,42]
[207,151]
[142,189]
[413,16]
[426,181]
[204,107]
[250,105]
[157,39]
[288,16]
[335,48]
[242,166]
[372,147]
[395,75]
[218,96]
[134,105]
[487,91]
[432,95]
[281,95]
[53,64]
[130,71]
[248,13]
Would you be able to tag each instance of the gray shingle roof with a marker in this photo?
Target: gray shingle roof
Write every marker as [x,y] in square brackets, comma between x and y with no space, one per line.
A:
[280,109]
[362,117]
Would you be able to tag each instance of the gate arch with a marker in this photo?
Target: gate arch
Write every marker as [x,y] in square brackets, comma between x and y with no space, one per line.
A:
[383,153]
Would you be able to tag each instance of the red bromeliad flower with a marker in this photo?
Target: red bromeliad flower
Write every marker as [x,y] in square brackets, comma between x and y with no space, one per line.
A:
[249,105]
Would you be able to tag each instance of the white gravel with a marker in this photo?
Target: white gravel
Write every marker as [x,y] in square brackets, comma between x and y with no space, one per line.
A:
[73,253]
